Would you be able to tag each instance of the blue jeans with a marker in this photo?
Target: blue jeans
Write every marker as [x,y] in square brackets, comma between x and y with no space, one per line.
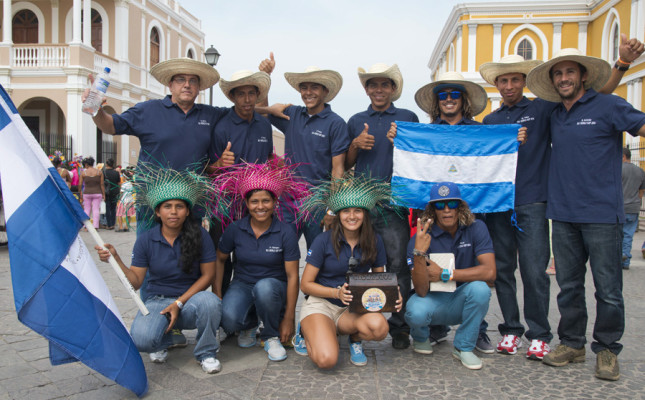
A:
[629,228]
[202,312]
[466,306]
[532,244]
[395,232]
[245,303]
[573,245]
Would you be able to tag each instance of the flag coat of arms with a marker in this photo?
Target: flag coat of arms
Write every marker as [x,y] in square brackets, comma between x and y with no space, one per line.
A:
[481,159]
[58,291]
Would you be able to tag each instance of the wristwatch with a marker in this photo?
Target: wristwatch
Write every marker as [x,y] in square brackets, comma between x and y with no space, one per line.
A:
[445,275]
[181,305]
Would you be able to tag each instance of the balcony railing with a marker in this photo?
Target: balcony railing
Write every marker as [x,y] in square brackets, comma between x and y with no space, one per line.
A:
[33,56]
[101,61]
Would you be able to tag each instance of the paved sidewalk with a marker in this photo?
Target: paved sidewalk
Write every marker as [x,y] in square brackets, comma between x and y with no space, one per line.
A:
[25,371]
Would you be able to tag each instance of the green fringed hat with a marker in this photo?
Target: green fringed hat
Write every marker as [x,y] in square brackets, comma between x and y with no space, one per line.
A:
[351,191]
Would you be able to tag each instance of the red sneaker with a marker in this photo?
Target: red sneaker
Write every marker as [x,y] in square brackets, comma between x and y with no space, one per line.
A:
[537,350]
[509,344]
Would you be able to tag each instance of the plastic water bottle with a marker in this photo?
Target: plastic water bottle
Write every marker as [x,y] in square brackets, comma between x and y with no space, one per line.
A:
[97,93]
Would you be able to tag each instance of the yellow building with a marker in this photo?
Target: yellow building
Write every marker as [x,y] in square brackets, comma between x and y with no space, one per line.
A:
[47,52]
[477,33]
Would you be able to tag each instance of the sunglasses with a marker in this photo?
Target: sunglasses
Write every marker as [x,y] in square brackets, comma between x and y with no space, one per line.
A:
[455,94]
[440,205]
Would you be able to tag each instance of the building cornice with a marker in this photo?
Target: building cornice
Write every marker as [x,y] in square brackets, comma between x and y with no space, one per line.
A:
[176,20]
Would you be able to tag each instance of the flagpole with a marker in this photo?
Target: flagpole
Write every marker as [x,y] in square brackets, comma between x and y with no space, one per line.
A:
[137,299]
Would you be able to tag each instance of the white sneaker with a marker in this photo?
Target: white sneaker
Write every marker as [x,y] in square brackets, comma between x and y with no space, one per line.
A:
[221,335]
[247,338]
[274,349]
[211,365]
[159,356]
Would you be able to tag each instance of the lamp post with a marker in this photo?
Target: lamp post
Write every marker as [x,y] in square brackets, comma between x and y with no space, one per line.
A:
[212,56]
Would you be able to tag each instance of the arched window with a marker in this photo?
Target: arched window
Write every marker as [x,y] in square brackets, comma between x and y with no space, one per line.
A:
[525,49]
[154,47]
[615,42]
[25,27]
[97,31]
[190,54]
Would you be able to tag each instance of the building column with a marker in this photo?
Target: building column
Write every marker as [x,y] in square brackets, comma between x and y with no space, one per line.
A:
[497,42]
[55,22]
[122,40]
[640,16]
[76,22]
[87,23]
[557,38]
[6,22]
[472,47]
[633,19]
[144,45]
[458,50]
[168,57]
[582,37]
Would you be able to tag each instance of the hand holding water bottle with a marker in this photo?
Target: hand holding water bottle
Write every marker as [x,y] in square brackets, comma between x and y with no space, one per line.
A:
[93,97]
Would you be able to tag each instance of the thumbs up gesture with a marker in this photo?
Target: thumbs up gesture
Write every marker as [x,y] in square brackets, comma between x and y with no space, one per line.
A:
[268,64]
[227,158]
[364,141]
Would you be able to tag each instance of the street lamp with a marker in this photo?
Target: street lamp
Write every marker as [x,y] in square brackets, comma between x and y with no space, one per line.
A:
[212,56]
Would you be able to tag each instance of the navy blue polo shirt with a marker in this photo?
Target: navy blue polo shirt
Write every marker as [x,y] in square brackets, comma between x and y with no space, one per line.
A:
[152,251]
[462,121]
[469,242]
[313,140]
[585,183]
[378,161]
[167,134]
[251,141]
[534,155]
[331,269]
[263,257]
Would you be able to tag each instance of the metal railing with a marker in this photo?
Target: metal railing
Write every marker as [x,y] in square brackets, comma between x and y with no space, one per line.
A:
[52,142]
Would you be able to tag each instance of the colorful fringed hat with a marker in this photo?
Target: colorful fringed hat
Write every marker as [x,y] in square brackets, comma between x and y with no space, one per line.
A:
[276,176]
[351,191]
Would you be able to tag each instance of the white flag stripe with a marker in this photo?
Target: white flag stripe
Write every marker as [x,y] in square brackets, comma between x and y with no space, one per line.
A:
[458,169]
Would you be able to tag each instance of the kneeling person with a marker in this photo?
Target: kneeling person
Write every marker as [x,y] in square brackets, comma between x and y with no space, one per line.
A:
[448,226]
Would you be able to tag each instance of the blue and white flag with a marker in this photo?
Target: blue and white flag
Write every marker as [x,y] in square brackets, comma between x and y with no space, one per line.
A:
[481,159]
[58,291]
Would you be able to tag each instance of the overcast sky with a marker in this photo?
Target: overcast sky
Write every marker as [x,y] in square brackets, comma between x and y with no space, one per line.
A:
[332,34]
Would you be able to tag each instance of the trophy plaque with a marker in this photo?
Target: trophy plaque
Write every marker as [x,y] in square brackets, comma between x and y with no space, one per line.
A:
[373,292]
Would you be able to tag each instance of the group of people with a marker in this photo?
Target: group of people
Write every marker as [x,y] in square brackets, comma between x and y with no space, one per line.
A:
[568,170]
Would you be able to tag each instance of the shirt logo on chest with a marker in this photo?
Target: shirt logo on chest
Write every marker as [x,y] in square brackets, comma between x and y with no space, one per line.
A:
[263,140]
[525,118]
[586,121]
[203,122]
[318,132]
[464,245]
[274,249]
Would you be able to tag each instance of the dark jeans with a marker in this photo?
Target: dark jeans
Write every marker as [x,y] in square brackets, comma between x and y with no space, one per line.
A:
[215,233]
[110,210]
[395,232]
[532,244]
[573,245]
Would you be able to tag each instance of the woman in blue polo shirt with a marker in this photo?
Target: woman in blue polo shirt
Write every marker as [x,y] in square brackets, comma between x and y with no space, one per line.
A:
[351,243]
[265,268]
[180,257]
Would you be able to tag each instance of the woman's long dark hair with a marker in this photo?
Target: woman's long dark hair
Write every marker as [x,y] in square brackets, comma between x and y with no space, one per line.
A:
[191,241]
[366,238]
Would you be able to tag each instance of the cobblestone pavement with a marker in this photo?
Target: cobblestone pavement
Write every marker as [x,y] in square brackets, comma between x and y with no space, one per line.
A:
[25,371]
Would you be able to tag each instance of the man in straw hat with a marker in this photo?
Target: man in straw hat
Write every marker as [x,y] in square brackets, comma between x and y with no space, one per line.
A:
[315,136]
[531,241]
[585,202]
[371,151]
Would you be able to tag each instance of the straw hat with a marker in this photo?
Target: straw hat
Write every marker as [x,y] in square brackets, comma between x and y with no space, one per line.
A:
[426,98]
[326,77]
[165,70]
[259,79]
[381,70]
[511,64]
[539,81]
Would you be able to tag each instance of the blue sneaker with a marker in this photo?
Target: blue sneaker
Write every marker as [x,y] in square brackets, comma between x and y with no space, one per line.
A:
[356,355]
[298,342]
[247,338]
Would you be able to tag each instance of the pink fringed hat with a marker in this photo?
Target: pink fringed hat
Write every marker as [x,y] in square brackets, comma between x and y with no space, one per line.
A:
[275,176]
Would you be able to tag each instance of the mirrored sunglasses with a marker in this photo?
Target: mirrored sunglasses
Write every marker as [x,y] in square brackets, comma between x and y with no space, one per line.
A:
[455,94]
[452,204]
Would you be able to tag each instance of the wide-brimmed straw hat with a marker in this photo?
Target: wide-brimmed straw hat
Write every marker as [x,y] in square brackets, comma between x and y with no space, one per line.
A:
[326,77]
[539,82]
[381,70]
[259,79]
[511,64]
[426,98]
[165,70]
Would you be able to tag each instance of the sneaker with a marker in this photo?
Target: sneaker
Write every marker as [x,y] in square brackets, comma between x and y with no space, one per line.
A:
[468,359]
[483,344]
[159,356]
[298,341]
[178,339]
[274,349]
[537,350]
[401,340]
[221,335]
[437,337]
[211,365]
[422,347]
[247,338]
[563,355]
[509,344]
[356,355]
[607,365]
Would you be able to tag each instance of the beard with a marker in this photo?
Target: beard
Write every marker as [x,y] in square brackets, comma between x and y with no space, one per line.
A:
[577,86]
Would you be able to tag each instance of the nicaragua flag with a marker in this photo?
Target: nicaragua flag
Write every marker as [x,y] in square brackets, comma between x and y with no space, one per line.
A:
[58,291]
[481,159]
